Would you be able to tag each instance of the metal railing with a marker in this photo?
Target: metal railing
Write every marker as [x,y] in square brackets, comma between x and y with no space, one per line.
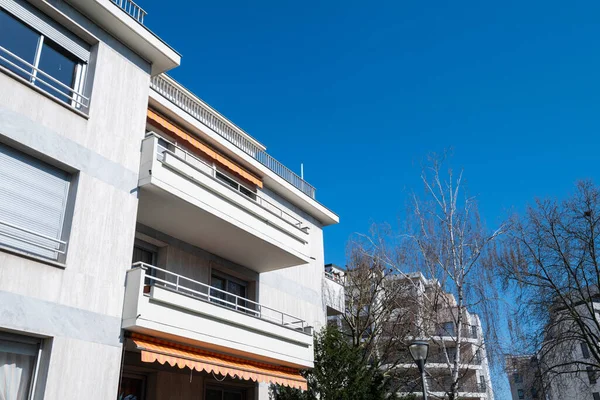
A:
[155,276]
[136,12]
[211,171]
[60,246]
[171,90]
[334,277]
[463,387]
[34,75]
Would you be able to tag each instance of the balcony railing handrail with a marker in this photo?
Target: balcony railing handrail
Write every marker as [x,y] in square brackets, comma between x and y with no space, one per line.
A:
[258,312]
[35,77]
[296,222]
[331,276]
[40,235]
[132,9]
[203,113]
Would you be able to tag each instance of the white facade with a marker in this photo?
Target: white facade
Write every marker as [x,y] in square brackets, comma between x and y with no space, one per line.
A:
[440,330]
[230,251]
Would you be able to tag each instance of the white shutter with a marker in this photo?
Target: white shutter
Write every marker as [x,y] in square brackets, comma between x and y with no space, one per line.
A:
[33,200]
[47,27]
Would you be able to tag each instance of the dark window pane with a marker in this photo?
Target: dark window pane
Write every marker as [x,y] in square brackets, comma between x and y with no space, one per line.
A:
[131,388]
[55,62]
[233,396]
[585,351]
[20,40]
[214,394]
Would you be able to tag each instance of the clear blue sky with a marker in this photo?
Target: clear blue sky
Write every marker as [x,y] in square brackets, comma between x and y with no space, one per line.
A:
[361,91]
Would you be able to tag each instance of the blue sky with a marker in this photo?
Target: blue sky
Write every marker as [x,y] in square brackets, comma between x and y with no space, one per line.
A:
[360,92]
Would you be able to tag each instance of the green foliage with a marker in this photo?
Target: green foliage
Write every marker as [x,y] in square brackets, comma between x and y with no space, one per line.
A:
[340,373]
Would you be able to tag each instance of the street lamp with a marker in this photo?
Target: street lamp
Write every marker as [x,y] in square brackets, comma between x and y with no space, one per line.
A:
[418,351]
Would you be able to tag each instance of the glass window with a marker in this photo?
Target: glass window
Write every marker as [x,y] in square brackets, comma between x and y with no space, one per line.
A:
[132,387]
[521,393]
[20,40]
[585,351]
[18,358]
[591,375]
[214,393]
[61,66]
[596,396]
[229,285]
[49,59]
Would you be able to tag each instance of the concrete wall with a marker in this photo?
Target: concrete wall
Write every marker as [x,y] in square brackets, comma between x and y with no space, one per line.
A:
[78,305]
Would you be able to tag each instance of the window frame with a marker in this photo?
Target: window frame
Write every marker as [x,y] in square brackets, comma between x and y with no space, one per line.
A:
[225,301]
[27,340]
[67,217]
[63,41]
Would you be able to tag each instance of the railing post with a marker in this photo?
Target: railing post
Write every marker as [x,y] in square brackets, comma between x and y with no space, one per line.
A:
[177,284]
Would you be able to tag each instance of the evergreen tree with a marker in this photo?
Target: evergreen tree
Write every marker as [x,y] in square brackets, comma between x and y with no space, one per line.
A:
[340,373]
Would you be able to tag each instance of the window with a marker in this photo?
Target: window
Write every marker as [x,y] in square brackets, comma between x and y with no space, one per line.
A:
[42,52]
[474,332]
[585,351]
[19,356]
[34,198]
[521,393]
[448,329]
[217,393]
[517,378]
[132,387]
[230,292]
[235,185]
[591,375]
[596,395]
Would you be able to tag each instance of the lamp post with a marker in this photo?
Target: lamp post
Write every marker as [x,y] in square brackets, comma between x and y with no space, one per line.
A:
[418,351]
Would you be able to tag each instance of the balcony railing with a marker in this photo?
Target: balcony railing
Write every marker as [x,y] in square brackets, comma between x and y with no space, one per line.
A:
[464,387]
[42,244]
[334,277]
[136,12]
[40,79]
[211,118]
[212,171]
[155,276]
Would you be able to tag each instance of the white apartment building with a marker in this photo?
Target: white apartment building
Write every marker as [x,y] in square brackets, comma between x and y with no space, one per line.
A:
[437,323]
[149,248]
[524,377]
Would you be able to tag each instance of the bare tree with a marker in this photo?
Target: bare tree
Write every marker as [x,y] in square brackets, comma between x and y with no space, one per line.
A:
[379,316]
[452,247]
[552,263]
[446,242]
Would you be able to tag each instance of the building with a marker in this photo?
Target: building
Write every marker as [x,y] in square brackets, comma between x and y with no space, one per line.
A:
[149,247]
[525,378]
[564,364]
[436,320]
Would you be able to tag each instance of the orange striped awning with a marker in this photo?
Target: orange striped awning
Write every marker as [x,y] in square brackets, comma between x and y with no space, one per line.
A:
[200,360]
[161,122]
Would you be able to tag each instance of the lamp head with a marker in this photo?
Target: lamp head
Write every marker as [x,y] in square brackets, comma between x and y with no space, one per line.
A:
[419,350]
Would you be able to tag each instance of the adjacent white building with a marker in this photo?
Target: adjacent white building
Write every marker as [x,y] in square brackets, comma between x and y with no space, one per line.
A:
[149,247]
[436,321]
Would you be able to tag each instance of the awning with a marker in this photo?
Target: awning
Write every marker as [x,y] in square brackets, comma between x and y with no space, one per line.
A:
[196,145]
[184,356]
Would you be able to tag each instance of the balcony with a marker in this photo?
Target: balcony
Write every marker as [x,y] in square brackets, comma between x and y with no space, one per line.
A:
[132,9]
[334,296]
[168,305]
[185,197]
[202,112]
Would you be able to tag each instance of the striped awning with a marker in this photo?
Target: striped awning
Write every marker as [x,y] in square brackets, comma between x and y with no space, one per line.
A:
[196,145]
[185,356]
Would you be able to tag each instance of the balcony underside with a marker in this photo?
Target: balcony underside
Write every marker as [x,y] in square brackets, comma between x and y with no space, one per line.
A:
[168,213]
